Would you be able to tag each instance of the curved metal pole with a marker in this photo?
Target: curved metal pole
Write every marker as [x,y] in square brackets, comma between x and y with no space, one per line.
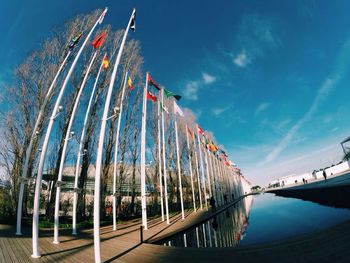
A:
[68,136]
[81,153]
[30,146]
[143,156]
[160,165]
[190,167]
[179,170]
[55,111]
[97,246]
[164,165]
[116,155]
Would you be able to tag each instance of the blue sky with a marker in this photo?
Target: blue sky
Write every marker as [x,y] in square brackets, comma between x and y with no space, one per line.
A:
[269,78]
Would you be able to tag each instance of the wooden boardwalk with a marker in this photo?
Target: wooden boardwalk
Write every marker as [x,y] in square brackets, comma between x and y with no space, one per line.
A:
[123,245]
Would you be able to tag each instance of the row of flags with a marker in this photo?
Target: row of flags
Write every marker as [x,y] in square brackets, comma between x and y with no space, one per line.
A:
[206,143]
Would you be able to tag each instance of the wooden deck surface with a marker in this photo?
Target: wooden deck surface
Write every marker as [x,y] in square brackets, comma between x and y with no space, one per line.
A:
[123,245]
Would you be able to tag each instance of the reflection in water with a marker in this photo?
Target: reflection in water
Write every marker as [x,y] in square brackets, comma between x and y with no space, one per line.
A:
[271,218]
[224,230]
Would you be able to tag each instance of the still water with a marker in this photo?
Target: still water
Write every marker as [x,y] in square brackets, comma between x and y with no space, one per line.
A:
[259,219]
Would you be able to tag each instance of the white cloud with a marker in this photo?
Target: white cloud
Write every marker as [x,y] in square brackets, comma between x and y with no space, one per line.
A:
[322,94]
[208,79]
[191,90]
[334,129]
[241,60]
[218,111]
[261,107]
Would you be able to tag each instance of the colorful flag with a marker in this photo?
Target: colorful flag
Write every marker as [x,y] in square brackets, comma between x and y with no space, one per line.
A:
[177,110]
[200,130]
[168,94]
[152,82]
[74,41]
[151,97]
[105,62]
[99,40]
[131,86]
[133,24]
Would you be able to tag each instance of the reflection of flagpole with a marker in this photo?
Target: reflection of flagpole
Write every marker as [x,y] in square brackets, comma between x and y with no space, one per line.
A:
[116,155]
[198,179]
[55,111]
[97,246]
[190,166]
[30,146]
[202,168]
[143,156]
[179,169]
[164,164]
[160,164]
[68,136]
[81,152]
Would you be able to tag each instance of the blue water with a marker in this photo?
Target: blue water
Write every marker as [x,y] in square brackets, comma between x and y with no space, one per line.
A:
[260,219]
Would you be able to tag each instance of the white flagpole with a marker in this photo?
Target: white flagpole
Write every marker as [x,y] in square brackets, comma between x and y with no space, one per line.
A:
[202,168]
[214,178]
[81,153]
[30,146]
[55,111]
[97,245]
[179,169]
[160,164]
[164,164]
[208,175]
[198,179]
[143,156]
[190,166]
[116,154]
[68,136]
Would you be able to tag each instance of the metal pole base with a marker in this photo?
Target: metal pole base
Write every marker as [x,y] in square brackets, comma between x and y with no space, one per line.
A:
[74,233]
[56,242]
[18,233]
[35,256]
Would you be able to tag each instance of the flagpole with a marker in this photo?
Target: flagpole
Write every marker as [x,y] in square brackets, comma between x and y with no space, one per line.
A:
[68,136]
[213,176]
[116,155]
[97,245]
[179,169]
[190,166]
[164,164]
[30,146]
[81,153]
[198,179]
[202,168]
[208,175]
[160,165]
[143,156]
[55,111]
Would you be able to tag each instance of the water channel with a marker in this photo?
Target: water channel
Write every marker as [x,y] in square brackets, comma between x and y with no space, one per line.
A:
[259,219]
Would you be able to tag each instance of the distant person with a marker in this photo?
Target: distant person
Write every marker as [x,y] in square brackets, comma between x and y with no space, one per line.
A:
[303,180]
[233,197]
[212,203]
[215,224]
[324,174]
[225,198]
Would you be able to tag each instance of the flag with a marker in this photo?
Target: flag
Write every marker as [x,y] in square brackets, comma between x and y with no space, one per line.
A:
[168,94]
[99,40]
[105,62]
[131,86]
[164,108]
[177,110]
[200,130]
[74,41]
[132,25]
[151,97]
[152,82]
